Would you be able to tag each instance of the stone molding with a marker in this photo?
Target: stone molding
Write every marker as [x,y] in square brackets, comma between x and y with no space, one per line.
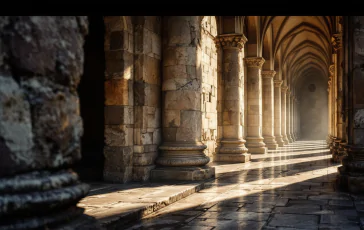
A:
[277,83]
[268,73]
[336,41]
[284,88]
[332,69]
[254,62]
[230,41]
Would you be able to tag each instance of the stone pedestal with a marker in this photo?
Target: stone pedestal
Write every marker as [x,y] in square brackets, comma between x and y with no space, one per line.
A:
[351,173]
[231,146]
[278,113]
[268,111]
[284,114]
[182,152]
[254,137]
[40,125]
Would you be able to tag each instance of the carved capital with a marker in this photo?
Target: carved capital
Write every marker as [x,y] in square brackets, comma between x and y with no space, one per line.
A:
[336,41]
[268,73]
[284,88]
[332,70]
[277,83]
[254,62]
[230,41]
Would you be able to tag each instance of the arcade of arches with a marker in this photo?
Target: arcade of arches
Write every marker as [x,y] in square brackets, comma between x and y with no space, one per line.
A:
[158,98]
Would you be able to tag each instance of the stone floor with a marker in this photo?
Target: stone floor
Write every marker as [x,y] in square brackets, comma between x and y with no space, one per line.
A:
[290,188]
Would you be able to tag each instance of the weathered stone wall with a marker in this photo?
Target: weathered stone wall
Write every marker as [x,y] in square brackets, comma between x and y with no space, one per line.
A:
[147,95]
[313,108]
[119,99]
[209,84]
[41,62]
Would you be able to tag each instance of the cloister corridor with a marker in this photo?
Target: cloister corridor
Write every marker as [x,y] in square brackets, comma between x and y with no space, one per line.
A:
[181,122]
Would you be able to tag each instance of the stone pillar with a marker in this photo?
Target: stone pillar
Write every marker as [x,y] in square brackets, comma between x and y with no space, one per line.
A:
[283,113]
[292,117]
[278,113]
[254,137]
[231,145]
[334,143]
[40,123]
[288,116]
[329,136]
[351,173]
[295,115]
[182,152]
[268,109]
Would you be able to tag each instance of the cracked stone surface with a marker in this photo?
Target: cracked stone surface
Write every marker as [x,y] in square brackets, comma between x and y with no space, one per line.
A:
[288,188]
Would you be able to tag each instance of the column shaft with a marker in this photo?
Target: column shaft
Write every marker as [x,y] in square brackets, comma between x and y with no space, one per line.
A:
[268,109]
[283,112]
[254,137]
[292,117]
[182,152]
[278,112]
[288,116]
[231,146]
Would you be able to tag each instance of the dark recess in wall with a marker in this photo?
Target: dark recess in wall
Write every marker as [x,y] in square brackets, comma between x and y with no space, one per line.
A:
[91,93]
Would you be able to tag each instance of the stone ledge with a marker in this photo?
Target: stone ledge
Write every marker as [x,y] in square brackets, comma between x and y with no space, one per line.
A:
[119,204]
[182,173]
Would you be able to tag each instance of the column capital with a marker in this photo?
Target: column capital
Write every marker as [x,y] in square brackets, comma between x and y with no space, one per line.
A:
[254,62]
[230,41]
[332,69]
[336,41]
[284,88]
[277,83]
[268,73]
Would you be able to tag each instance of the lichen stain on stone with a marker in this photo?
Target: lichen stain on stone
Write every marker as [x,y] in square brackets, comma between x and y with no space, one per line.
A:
[359,118]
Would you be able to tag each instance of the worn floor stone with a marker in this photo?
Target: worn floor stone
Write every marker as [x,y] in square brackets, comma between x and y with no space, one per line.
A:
[283,189]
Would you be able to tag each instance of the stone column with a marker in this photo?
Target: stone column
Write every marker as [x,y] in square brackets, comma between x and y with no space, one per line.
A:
[288,116]
[278,113]
[292,117]
[182,152]
[232,145]
[268,109]
[295,115]
[351,173]
[40,123]
[329,136]
[283,113]
[334,138]
[254,137]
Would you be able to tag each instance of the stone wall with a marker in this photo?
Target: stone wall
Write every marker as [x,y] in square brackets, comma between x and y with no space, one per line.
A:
[313,108]
[147,95]
[209,84]
[119,99]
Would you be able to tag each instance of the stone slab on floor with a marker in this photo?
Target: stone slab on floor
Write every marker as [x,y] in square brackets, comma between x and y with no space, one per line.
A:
[118,204]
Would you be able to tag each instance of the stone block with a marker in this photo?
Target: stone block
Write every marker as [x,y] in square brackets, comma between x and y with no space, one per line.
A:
[146,138]
[182,173]
[118,115]
[144,158]
[232,158]
[147,69]
[118,64]
[142,173]
[169,134]
[172,118]
[188,131]
[118,135]
[157,137]
[156,46]
[118,163]
[191,100]
[119,40]
[117,92]
[140,118]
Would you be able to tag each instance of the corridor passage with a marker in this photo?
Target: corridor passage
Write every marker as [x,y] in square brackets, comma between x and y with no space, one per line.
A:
[289,188]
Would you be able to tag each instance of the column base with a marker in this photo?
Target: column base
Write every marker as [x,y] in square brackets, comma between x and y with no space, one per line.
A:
[182,173]
[289,137]
[232,150]
[256,145]
[270,142]
[337,153]
[233,158]
[285,139]
[351,173]
[279,139]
